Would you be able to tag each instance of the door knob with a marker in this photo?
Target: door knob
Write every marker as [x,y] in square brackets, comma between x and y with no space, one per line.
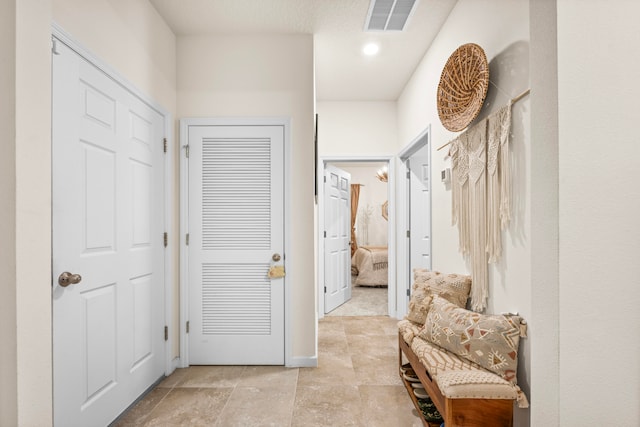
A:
[66,279]
[276,257]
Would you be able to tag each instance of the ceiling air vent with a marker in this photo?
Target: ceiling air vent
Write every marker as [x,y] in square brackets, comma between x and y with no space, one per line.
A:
[389,15]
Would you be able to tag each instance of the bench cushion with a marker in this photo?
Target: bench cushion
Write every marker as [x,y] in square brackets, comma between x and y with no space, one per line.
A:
[438,360]
[458,378]
[408,330]
[475,385]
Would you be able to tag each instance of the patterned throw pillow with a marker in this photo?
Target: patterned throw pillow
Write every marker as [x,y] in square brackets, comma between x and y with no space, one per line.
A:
[421,276]
[491,341]
[419,305]
[452,287]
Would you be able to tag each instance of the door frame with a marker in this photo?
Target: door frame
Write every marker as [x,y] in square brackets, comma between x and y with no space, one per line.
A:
[170,171]
[391,233]
[404,278]
[184,223]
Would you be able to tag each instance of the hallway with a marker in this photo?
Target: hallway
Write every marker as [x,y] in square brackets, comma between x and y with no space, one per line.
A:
[355,384]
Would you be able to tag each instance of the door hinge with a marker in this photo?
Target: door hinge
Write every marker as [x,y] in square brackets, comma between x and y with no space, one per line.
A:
[325,289]
[408,233]
[408,174]
[166,239]
[187,326]
[54,47]
[325,178]
[325,234]
[166,333]
[408,292]
[186,150]
[187,239]
[164,144]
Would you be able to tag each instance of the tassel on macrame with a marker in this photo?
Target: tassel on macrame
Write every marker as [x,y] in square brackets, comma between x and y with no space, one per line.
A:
[477,207]
[481,188]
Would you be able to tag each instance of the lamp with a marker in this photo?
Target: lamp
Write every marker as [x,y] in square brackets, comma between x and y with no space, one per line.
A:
[383,174]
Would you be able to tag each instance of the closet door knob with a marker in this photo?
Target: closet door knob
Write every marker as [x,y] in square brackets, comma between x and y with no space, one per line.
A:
[66,279]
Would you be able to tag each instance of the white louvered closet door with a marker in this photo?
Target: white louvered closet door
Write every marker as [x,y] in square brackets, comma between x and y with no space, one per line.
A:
[236,227]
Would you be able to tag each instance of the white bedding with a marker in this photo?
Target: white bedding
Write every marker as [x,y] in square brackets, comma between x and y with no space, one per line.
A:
[370,264]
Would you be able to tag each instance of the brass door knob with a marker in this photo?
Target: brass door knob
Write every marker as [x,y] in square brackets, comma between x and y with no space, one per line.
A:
[66,279]
[276,257]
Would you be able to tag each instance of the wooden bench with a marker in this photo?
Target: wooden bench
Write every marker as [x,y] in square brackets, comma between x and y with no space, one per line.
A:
[455,412]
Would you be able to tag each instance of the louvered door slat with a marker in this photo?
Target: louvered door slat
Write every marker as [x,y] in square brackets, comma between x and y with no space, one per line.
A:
[236,214]
[236,299]
[236,193]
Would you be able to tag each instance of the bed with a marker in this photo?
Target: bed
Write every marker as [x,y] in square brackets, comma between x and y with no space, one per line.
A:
[369,265]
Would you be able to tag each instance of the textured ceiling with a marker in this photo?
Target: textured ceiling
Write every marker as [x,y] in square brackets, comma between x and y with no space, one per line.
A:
[343,73]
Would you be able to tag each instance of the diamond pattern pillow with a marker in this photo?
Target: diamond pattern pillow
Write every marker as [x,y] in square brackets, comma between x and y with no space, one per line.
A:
[452,287]
[491,341]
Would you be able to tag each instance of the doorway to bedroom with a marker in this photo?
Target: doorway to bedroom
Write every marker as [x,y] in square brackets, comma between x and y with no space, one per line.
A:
[356,281]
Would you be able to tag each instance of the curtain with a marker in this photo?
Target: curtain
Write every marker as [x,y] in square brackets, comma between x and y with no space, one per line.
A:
[355,196]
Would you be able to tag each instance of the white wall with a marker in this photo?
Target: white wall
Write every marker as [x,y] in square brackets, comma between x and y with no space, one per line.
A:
[598,68]
[501,28]
[357,129]
[8,356]
[130,37]
[25,386]
[255,76]
[543,236]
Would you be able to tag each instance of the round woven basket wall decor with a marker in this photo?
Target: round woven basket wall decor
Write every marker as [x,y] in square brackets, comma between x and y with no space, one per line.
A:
[463,86]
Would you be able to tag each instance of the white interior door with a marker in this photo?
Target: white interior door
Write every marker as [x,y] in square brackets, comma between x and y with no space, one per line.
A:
[108,225]
[236,234]
[420,209]
[337,250]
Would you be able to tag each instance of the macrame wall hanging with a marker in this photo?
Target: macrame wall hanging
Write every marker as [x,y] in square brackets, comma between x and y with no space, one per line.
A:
[481,183]
[480,196]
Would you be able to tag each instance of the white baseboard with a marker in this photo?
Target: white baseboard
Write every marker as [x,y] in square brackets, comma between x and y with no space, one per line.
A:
[295,362]
[175,363]
[303,362]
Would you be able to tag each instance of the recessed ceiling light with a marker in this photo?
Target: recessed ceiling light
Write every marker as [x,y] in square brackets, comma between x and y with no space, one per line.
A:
[370,49]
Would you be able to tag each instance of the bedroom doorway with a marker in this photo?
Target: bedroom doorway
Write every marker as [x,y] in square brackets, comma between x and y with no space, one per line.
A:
[369,267]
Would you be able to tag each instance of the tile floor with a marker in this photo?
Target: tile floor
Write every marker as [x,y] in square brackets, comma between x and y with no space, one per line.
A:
[355,384]
[365,301]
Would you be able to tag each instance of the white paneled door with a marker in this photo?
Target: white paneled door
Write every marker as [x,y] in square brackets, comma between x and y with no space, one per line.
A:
[236,236]
[420,209]
[108,253]
[337,236]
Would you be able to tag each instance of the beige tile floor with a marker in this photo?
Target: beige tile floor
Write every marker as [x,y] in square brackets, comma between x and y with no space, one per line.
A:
[356,383]
[365,301]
